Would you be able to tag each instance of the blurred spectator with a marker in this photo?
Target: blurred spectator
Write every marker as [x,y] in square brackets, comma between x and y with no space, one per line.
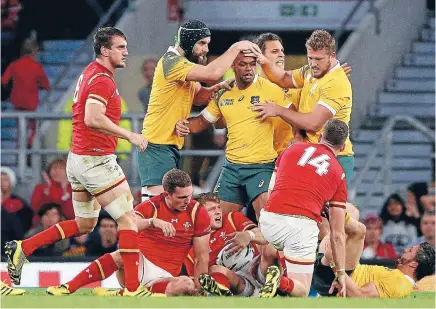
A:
[148,67]
[428,201]
[65,130]
[50,214]
[427,228]
[398,228]
[12,203]
[55,189]
[77,246]
[27,77]
[104,239]
[374,248]
[10,9]
[414,193]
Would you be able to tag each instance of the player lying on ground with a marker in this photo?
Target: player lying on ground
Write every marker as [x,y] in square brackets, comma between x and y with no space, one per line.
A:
[170,224]
[95,176]
[236,266]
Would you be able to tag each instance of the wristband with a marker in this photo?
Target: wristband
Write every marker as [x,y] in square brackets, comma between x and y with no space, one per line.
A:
[252,236]
[340,272]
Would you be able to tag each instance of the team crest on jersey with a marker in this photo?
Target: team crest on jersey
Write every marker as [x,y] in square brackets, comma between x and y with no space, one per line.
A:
[255,99]
[226,102]
[187,225]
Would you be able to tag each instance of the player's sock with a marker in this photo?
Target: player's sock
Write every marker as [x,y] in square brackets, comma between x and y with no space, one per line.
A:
[98,270]
[286,285]
[221,279]
[248,288]
[128,245]
[62,230]
[159,287]
[145,194]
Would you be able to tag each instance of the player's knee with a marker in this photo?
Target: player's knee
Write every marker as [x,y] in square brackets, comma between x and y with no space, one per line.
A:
[356,230]
[121,208]
[86,225]
[353,211]
[187,283]
[116,256]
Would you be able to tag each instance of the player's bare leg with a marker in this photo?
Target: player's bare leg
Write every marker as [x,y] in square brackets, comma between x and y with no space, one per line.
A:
[259,202]
[86,209]
[118,202]
[355,233]
[148,192]
[324,226]
[235,283]
[268,257]
[230,207]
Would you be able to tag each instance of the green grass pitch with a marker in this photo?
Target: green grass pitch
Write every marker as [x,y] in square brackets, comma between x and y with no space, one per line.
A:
[36,298]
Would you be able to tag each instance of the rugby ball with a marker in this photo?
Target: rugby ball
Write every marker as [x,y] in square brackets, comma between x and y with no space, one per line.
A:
[236,262]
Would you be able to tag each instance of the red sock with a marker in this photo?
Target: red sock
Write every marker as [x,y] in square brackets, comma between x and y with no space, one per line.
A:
[98,270]
[62,230]
[286,285]
[159,287]
[128,245]
[221,279]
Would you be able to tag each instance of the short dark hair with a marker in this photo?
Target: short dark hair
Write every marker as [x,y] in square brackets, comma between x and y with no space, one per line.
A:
[335,132]
[426,260]
[207,197]
[103,38]
[47,207]
[265,37]
[175,178]
[429,212]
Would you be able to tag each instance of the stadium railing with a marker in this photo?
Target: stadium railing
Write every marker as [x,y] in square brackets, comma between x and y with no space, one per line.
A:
[384,145]
[37,150]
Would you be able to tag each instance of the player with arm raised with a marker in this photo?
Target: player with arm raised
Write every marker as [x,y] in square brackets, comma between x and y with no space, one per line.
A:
[169,224]
[92,169]
[175,88]
[307,177]
[325,93]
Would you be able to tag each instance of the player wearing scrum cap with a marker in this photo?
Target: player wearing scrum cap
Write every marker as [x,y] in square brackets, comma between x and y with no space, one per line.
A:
[175,88]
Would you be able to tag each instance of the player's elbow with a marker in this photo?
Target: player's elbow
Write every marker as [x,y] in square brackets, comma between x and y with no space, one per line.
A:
[91,121]
[314,125]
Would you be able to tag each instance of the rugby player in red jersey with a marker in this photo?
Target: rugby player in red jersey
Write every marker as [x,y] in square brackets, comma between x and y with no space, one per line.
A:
[92,169]
[169,224]
[307,177]
[237,231]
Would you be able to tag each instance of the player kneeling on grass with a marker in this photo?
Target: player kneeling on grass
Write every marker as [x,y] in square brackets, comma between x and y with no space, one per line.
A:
[236,267]
[170,224]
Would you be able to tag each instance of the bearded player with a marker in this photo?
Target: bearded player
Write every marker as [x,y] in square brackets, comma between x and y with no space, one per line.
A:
[175,89]
[170,225]
[92,169]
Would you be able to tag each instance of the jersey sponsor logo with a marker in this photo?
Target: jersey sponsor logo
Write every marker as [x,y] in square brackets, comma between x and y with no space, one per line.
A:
[226,102]
[286,90]
[255,99]
[213,240]
[217,187]
[241,98]
[174,220]
[261,183]
[97,150]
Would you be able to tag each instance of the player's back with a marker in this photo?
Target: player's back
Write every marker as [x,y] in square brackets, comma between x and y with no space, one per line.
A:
[307,176]
[390,283]
[171,99]
[169,252]
[95,86]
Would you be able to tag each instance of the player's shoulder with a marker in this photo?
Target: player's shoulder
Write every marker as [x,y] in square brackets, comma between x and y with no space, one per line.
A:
[265,83]
[337,77]
[95,72]
[224,93]
[170,59]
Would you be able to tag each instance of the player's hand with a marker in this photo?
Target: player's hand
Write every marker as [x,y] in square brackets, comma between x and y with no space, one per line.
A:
[238,241]
[261,59]
[269,109]
[225,84]
[347,69]
[182,128]
[138,140]
[166,227]
[339,283]
[249,49]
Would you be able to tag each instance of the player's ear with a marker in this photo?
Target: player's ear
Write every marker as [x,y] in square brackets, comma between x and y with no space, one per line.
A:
[104,51]
[413,264]
[342,147]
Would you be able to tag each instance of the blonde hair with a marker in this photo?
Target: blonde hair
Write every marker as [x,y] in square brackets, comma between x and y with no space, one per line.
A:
[320,39]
